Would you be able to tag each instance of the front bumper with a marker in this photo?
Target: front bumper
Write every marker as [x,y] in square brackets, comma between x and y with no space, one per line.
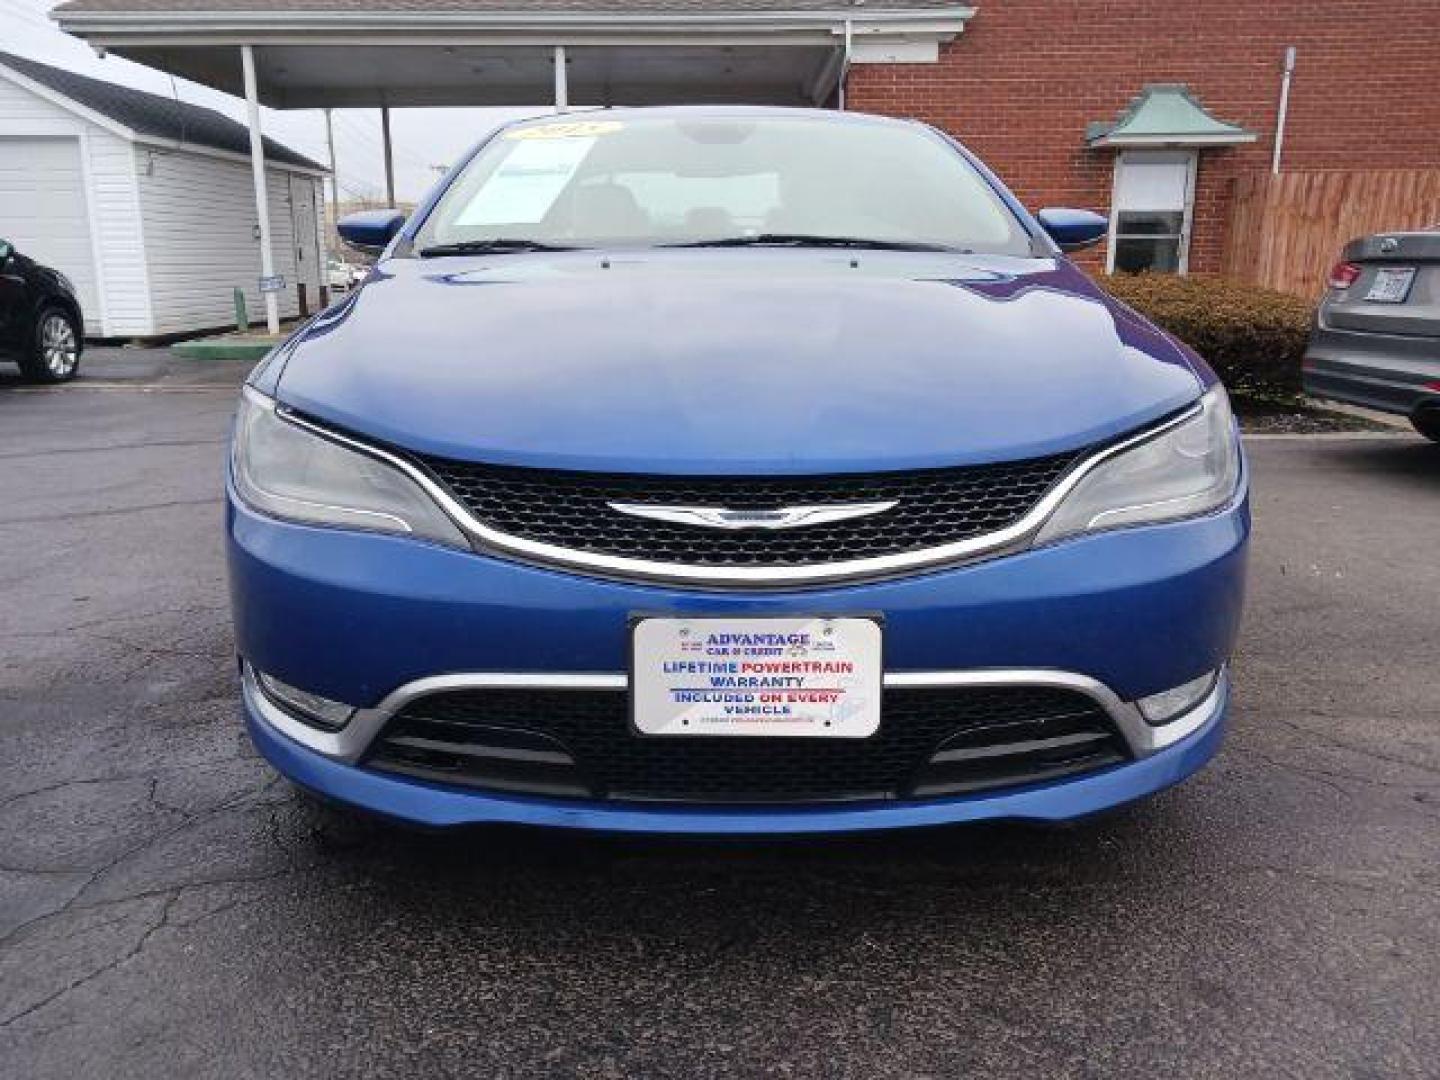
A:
[357,617]
[440,806]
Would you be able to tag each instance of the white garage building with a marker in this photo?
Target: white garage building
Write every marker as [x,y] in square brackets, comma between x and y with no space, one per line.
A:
[148,204]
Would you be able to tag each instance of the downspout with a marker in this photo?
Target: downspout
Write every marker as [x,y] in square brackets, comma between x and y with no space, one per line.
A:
[844,67]
[1284,109]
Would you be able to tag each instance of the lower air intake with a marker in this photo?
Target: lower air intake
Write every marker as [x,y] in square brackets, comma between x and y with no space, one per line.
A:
[931,742]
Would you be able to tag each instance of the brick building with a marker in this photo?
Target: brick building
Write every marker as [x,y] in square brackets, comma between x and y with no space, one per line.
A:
[1157,112]
[1026,77]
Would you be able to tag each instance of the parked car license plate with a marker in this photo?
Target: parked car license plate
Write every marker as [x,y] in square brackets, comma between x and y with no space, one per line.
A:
[1391,285]
[790,677]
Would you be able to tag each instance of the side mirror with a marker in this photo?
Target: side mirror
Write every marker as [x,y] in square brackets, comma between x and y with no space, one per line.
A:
[1073,229]
[370,230]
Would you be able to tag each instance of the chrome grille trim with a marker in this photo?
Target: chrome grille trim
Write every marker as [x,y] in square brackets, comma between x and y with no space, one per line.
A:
[492,541]
[351,742]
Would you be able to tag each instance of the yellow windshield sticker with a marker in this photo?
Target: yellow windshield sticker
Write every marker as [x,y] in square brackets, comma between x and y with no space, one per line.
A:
[573,129]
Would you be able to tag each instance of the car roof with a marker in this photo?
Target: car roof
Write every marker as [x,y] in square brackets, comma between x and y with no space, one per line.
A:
[755,112]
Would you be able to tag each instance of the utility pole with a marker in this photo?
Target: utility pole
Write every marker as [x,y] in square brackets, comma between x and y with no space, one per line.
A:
[334,175]
[389,157]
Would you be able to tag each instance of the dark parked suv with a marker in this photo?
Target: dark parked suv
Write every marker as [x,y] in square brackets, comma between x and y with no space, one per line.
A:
[40,320]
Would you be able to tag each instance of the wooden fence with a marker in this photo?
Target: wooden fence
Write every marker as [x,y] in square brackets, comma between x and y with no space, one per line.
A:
[1286,231]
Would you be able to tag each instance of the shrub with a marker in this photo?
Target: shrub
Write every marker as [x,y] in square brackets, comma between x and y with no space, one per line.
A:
[1254,338]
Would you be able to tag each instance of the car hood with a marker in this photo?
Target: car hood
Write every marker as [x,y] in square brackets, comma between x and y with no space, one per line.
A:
[716,362]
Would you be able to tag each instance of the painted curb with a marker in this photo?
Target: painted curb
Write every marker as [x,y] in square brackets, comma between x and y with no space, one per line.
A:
[233,349]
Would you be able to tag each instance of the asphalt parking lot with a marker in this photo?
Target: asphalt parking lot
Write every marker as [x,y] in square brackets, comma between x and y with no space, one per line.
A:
[169,908]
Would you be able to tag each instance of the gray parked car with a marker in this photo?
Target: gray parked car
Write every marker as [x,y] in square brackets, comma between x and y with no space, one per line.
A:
[1376,340]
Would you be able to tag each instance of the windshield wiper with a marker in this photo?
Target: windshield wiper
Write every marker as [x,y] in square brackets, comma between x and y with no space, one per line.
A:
[810,240]
[498,246]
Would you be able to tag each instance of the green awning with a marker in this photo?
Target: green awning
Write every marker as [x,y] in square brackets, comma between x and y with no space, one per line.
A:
[1166,114]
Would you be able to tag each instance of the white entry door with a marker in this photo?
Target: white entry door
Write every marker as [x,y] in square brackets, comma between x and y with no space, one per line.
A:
[307,240]
[1151,210]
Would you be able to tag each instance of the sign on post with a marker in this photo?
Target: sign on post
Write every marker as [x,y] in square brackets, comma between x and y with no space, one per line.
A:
[275,283]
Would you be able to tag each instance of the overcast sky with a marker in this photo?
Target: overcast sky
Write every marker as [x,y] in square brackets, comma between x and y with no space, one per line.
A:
[423,138]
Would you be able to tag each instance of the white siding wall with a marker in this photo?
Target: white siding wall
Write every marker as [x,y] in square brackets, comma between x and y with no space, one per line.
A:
[199,225]
[122,305]
[116,222]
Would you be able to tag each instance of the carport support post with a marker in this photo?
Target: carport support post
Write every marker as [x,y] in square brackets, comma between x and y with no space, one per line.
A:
[262,198]
[389,156]
[562,81]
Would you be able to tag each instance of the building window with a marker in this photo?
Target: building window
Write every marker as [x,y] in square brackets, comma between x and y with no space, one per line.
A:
[1150,211]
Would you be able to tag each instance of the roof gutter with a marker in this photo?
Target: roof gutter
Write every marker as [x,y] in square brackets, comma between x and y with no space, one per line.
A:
[104,27]
[164,145]
[1216,139]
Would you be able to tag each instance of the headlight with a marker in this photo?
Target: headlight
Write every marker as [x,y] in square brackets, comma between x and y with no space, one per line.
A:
[289,472]
[1191,469]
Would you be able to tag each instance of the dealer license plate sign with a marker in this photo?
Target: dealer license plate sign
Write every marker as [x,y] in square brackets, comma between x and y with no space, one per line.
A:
[1391,285]
[802,677]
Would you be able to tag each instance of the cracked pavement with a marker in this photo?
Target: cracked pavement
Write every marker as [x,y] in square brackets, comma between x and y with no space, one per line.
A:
[168,907]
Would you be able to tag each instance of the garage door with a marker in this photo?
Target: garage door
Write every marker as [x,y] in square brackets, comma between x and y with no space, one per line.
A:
[42,211]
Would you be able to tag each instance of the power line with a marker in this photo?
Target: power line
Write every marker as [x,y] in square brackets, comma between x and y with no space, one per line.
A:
[179,109]
[364,191]
[346,124]
[356,131]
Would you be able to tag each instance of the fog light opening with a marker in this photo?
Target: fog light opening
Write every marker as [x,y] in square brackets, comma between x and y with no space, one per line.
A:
[1169,705]
[318,712]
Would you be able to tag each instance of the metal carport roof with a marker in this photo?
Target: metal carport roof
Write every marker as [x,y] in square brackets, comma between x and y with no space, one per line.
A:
[295,54]
[334,53]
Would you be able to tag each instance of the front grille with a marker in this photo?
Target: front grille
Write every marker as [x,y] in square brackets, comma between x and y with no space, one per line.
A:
[570,510]
[580,742]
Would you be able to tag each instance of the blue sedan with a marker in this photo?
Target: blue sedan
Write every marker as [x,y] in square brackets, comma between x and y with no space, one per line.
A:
[730,471]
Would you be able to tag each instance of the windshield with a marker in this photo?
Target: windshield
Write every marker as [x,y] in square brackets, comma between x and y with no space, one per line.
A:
[638,182]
